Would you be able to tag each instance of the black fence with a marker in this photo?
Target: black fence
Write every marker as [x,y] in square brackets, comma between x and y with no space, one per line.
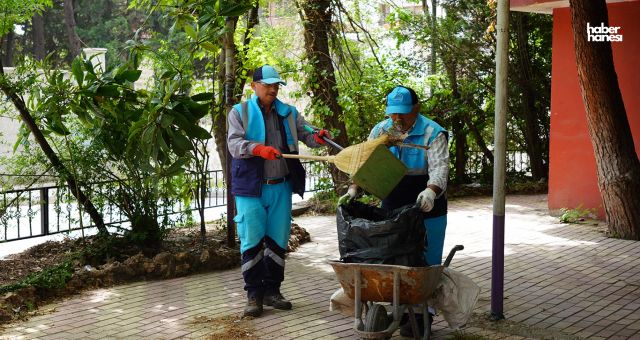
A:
[47,210]
[517,163]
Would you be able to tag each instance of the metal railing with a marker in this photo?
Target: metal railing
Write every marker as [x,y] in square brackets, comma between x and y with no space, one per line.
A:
[517,162]
[47,210]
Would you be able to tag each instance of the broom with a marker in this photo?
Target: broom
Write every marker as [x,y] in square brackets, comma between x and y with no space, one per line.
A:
[351,158]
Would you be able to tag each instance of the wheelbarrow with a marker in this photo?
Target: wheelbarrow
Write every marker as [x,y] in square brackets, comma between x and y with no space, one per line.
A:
[405,288]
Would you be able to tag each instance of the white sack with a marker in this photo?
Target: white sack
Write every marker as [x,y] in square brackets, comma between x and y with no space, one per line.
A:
[342,303]
[455,297]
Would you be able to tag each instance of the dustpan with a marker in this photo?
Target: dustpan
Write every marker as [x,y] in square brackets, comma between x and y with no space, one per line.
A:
[380,173]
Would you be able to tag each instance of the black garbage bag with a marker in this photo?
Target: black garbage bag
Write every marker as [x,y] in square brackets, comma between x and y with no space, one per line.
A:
[367,234]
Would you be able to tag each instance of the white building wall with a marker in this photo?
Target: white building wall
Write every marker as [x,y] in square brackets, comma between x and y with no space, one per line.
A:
[9,123]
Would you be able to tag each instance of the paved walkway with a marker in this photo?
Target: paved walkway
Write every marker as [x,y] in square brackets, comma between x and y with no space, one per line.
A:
[561,281]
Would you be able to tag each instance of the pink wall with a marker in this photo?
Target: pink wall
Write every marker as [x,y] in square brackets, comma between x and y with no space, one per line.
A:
[572,168]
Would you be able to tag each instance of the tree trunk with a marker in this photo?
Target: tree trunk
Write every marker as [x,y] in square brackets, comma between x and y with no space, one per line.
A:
[39,51]
[434,20]
[225,78]
[316,20]
[220,107]
[460,140]
[230,65]
[70,23]
[74,186]
[218,118]
[617,163]
[252,21]
[528,110]
[218,115]
[203,196]
[7,47]
[458,126]
[475,131]
[229,101]
[230,88]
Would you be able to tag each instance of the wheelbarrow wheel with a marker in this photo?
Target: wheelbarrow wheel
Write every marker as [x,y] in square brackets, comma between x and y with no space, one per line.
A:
[376,319]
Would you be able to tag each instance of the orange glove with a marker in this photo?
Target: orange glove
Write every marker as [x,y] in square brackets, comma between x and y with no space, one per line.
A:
[267,152]
[322,133]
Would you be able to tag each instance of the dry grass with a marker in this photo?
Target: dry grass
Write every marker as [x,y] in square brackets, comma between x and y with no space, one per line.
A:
[229,327]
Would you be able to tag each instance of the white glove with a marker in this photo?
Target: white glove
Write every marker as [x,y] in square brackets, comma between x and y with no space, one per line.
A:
[425,199]
[350,195]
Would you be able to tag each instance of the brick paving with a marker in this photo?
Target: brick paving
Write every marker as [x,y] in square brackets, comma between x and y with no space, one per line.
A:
[561,281]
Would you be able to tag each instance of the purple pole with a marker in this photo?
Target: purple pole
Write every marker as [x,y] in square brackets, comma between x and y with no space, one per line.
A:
[499,165]
[497,268]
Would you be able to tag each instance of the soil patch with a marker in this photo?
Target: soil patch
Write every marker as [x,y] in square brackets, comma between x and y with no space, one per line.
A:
[517,329]
[35,259]
[58,269]
[230,327]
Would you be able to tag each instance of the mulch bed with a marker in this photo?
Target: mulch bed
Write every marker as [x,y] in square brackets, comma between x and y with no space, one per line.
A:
[182,253]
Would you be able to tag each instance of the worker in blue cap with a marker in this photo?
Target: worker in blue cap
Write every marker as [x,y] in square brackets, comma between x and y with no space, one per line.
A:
[259,131]
[426,181]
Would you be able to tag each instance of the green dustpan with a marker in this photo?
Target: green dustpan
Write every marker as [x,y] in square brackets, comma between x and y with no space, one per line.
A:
[380,173]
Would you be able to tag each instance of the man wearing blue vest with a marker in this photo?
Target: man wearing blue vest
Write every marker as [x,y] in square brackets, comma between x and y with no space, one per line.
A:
[259,131]
[428,173]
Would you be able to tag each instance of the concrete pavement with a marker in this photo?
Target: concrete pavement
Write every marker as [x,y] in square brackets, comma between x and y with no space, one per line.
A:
[561,282]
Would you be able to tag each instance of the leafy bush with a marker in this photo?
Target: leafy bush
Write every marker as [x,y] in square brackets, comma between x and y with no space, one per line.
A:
[51,278]
[576,215]
[136,140]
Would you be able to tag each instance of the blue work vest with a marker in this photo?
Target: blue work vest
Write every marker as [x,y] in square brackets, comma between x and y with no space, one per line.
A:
[414,158]
[247,174]
[407,191]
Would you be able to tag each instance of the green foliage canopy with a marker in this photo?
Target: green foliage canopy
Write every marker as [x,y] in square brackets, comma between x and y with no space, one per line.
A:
[14,12]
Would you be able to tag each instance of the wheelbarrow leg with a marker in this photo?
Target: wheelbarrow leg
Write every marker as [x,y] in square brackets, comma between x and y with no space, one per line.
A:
[358,324]
[396,296]
[426,319]
[414,323]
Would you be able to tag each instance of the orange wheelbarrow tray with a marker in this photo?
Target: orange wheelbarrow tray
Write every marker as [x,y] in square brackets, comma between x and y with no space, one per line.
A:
[401,286]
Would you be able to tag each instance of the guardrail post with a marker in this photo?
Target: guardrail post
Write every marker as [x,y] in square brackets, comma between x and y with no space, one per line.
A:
[44,211]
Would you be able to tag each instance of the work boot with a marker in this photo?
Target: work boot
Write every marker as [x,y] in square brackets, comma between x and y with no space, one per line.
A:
[405,330]
[253,307]
[277,301]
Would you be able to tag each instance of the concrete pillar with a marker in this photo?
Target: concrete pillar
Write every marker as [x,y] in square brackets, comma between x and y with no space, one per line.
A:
[97,57]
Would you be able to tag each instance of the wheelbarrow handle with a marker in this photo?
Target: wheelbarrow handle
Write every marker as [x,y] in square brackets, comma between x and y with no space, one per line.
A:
[325,138]
[451,253]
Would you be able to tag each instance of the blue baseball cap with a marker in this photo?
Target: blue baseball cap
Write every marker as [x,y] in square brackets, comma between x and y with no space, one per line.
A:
[401,100]
[268,75]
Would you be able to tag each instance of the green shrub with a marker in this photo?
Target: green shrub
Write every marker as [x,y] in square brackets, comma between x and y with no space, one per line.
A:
[576,215]
[51,278]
